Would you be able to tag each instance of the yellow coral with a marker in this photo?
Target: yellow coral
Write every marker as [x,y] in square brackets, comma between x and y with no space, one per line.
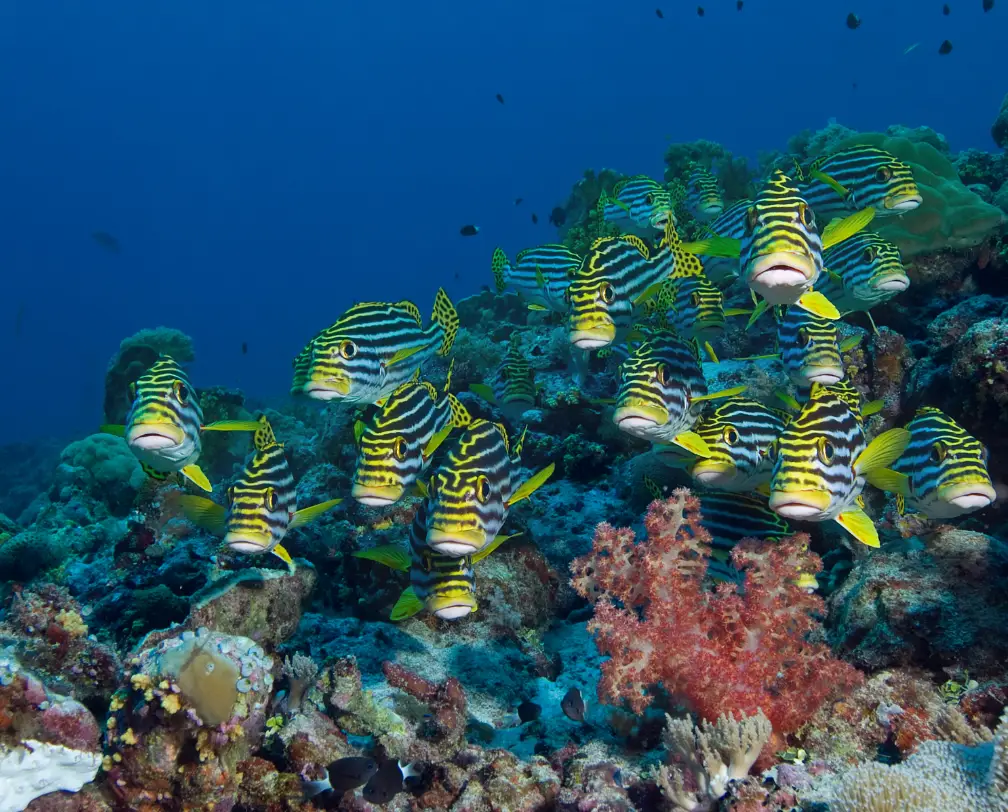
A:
[117,702]
[171,703]
[140,682]
[72,623]
[129,737]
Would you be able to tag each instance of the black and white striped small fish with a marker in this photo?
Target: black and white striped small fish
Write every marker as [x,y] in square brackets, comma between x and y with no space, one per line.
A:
[539,275]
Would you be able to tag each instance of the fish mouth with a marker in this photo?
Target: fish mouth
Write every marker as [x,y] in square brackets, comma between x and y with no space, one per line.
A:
[377,496]
[154,436]
[454,611]
[902,203]
[246,542]
[824,375]
[456,542]
[968,496]
[593,338]
[328,388]
[660,219]
[799,504]
[782,269]
[637,417]
[897,283]
[711,472]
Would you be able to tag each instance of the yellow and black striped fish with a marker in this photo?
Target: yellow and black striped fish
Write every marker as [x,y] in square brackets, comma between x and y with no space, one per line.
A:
[540,275]
[703,197]
[395,447]
[694,307]
[729,225]
[638,204]
[164,423]
[857,178]
[738,433]
[663,392]
[822,461]
[513,388]
[862,272]
[849,393]
[374,348]
[943,472]
[471,491]
[262,502]
[443,585]
[809,348]
[616,279]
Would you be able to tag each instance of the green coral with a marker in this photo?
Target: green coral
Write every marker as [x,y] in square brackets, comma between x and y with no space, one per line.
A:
[103,466]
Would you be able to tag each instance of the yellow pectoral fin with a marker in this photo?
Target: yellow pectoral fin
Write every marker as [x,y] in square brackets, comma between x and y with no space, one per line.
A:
[648,293]
[789,400]
[537,308]
[886,479]
[724,393]
[540,279]
[858,524]
[758,311]
[420,489]
[233,425]
[112,428]
[532,484]
[840,230]
[693,443]
[358,431]
[883,451]
[493,545]
[197,477]
[737,311]
[204,513]
[391,555]
[308,514]
[835,185]
[872,407]
[725,247]
[850,343]
[281,552]
[483,391]
[402,355]
[763,489]
[435,442]
[710,352]
[407,605]
[818,305]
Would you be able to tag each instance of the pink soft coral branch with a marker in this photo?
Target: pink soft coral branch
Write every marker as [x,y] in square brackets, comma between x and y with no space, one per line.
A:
[727,649]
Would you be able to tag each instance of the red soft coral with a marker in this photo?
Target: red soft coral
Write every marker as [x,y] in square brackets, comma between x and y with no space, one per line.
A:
[727,650]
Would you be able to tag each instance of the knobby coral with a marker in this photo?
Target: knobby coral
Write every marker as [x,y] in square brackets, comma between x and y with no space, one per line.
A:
[726,650]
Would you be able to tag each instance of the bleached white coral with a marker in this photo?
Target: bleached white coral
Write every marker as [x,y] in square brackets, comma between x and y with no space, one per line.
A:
[36,768]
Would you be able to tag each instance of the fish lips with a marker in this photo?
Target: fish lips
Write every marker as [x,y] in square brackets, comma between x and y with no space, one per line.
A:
[893,283]
[713,473]
[455,542]
[965,497]
[455,610]
[808,505]
[375,495]
[250,543]
[780,271]
[900,204]
[327,388]
[154,436]
[593,338]
[632,418]
[827,376]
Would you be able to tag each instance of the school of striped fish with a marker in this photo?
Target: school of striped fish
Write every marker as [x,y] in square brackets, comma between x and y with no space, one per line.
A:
[801,251]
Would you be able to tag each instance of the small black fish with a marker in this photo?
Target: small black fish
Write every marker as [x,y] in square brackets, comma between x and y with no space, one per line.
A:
[500,98]
[988,5]
[244,348]
[946,10]
[945,48]
[529,711]
[699,11]
[573,705]
[469,231]
[106,241]
[658,12]
[558,216]
[518,200]
[854,85]
[535,218]
[349,773]
[853,21]
[738,5]
[385,784]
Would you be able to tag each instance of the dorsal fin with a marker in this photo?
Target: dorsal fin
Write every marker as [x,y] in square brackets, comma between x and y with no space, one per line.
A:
[412,309]
[264,436]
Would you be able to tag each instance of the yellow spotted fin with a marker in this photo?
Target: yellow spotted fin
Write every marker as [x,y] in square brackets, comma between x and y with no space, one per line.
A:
[818,305]
[112,428]
[532,484]
[391,555]
[233,425]
[883,451]
[264,436]
[693,443]
[493,545]
[726,247]
[204,513]
[885,479]
[859,524]
[653,488]
[308,514]
[153,473]
[483,391]
[195,475]
[839,230]
[407,605]
[460,416]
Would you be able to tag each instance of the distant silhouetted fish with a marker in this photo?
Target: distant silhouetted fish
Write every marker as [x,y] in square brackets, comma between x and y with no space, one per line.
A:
[469,231]
[658,12]
[738,5]
[558,216]
[853,21]
[945,48]
[244,348]
[106,241]
[700,12]
[518,200]
[988,5]
[946,10]
[500,98]
[573,705]
[529,711]
[535,218]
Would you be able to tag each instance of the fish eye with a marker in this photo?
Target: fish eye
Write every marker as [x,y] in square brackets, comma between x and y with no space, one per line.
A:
[347,349]
[661,374]
[803,336]
[270,499]
[181,392]
[938,452]
[731,435]
[827,451]
[648,199]
[771,451]
[882,174]
[483,489]
[869,254]
[752,217]
[807,217]
[399,449]
[608,294]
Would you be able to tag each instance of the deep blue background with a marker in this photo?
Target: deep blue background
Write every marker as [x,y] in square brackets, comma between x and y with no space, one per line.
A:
[266,164]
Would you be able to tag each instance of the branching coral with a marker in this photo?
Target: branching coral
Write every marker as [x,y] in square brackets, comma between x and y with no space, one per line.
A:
[705,759]
[300,672]
[725,650]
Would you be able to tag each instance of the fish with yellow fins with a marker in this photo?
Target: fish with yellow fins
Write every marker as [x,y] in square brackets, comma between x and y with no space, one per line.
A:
[639,205]
[703,198]
[823,460]
[262,502]
[513,386]
[441,584]
[396,445]
[472,490]
[372,349]
[165,422]
[539,275]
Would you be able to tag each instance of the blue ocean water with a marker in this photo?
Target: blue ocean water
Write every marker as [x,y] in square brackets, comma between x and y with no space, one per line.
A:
[263,167]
